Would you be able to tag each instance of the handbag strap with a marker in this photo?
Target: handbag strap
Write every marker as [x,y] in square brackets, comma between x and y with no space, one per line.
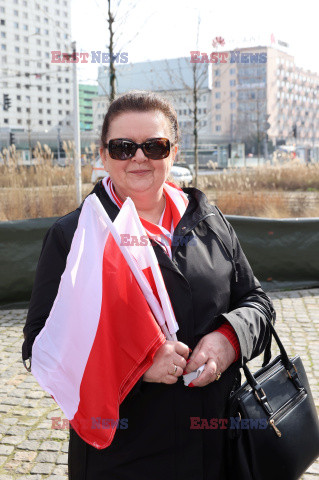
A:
[289,366]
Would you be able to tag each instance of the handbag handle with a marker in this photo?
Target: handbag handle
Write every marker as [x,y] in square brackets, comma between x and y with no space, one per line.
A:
[289,366]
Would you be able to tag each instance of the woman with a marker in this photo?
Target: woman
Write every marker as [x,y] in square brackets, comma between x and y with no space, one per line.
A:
[174,432]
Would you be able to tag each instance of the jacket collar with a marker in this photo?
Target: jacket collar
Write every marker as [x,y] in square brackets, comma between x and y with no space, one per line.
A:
[197,209]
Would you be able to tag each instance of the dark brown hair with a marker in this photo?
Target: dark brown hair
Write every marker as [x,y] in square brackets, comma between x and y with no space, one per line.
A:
[140,101]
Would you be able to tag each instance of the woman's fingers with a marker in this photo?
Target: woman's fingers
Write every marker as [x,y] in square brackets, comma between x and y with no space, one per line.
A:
[182,349]
[208,375]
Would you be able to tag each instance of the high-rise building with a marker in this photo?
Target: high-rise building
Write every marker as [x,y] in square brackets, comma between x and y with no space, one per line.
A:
[39,90]
[259,92]
[86,94]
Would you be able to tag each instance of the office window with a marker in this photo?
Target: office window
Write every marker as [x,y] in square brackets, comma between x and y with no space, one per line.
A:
[218,128]
[218,118]
[232,83]
[217,95]
[2,22]
[3,34]
[15,24]
[217,84]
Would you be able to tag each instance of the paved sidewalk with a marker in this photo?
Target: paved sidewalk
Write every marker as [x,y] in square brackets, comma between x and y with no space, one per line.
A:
[31,449]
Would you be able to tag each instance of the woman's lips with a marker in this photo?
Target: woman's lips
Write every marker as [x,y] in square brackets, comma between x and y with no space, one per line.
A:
[140,172]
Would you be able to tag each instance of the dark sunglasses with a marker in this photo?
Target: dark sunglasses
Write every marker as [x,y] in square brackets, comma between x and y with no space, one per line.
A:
[154,148]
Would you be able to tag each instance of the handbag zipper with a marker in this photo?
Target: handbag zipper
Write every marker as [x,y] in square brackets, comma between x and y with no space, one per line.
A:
[269,373]
[283,410]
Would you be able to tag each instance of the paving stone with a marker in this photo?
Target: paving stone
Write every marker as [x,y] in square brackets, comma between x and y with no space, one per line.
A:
[50,446]
[63,459]
[6,449]
[47,457]
[12,440]
[29,445]
[26,456]
[43,468]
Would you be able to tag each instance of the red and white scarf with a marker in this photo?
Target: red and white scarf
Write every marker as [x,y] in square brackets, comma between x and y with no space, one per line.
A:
[175,207]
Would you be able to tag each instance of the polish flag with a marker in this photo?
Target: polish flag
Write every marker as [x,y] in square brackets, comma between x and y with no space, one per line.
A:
[106,323]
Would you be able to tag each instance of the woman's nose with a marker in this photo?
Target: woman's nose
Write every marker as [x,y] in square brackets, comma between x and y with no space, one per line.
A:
[139,156]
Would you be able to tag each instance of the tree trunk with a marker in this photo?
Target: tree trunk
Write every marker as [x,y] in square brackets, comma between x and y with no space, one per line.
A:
[111,52]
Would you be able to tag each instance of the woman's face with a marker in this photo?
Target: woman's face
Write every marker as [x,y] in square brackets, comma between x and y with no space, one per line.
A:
[138,175]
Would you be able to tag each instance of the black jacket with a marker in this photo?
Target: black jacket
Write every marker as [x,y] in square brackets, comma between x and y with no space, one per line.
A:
[208,280]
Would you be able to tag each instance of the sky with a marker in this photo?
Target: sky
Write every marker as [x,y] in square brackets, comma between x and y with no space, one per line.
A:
[155,30]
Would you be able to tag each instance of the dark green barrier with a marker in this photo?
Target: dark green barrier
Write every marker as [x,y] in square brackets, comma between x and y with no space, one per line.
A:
[20,246]
[284,254]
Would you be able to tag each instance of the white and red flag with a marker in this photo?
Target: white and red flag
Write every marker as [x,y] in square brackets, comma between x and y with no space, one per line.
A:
[106,323]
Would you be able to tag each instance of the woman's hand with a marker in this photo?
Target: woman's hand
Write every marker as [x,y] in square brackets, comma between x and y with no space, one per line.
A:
[216,352]
[168,355]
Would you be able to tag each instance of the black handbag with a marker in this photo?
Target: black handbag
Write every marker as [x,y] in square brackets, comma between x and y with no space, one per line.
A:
[273,429]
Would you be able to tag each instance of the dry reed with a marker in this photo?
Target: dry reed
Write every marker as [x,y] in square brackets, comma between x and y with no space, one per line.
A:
[45,190]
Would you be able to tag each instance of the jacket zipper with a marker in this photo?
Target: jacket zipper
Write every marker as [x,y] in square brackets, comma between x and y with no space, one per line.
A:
[276,417]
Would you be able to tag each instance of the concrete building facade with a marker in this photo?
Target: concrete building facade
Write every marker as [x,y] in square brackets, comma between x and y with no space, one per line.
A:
[172,78]
[259,91]
[40,91]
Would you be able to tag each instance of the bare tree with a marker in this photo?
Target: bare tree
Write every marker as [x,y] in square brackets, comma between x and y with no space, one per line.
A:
[110,19]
